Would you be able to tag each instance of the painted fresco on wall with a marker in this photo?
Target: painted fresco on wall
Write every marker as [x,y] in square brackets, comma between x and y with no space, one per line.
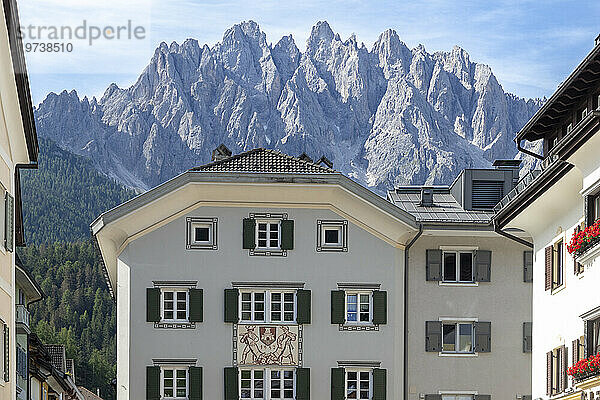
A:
[267,345]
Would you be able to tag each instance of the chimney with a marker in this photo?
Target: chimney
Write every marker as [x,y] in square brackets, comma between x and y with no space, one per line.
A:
[510,165]
[325,161]
[305,157]
[427,196]
[221,153]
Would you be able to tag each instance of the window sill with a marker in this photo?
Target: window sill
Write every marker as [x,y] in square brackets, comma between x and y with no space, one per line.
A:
[557,289]
[442,354]
[458,284]
[175,325]
[358,327]
[590,255]
[268,253]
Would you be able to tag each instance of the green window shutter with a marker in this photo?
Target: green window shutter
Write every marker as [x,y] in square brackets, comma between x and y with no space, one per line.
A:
[483,265]
[302,383]
[231,305]
[338,307]
[528,266]
[433,265]
[230,379]
[338,379]
[483,397]
[195,375]
[380,307]
[483,337]
[249,233]
[433,336]
[433,397]
[526,337]
[303,300]
[379,384]
[6,354]
[9,219]
[152,305]
[196,305]
[152,383]
[287,234]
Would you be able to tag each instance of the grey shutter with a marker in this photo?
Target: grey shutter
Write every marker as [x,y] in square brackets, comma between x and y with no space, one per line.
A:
[433,336]
[483,397]
[549,373]
[575,350]
[483,265]
[564,378]
[528,266]
[195,374]
[9,220]
[379,384]
[302,383]
[483,337]
[249,233]
[230,380]
[380,307]
[549,262]
[588,339]
[527,337]
[152,383]
[337,384]
[6,354]
[338,307]
[303,301]
[287,234]
[152,305]
[196,305]
[588,210]
[231,305]
[433,265]
[433,397]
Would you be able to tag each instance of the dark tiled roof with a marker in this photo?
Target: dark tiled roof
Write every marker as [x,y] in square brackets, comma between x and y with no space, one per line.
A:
[57,353]
[445,207]
[87,394]
[264,160]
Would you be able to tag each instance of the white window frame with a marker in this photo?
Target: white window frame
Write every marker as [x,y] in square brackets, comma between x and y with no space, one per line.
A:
[268,221]
[187,305]
[198,225]
[268,308]
[267,381]
[201,222]
[457,254]
[341,226]
[558,264]
[174,368]
[456,323]
[358,371]
[358,293]
[331,227]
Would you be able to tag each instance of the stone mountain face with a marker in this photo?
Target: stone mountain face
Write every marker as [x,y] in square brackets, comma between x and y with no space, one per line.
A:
[386,116]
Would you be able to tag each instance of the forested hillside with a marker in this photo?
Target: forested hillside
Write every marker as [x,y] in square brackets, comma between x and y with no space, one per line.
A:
[60,199]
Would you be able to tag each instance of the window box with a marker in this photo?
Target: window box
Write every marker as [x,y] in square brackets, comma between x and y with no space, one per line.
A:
[585,369]
[584,244]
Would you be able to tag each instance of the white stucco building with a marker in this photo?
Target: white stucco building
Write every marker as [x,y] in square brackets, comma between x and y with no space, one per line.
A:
[552,204]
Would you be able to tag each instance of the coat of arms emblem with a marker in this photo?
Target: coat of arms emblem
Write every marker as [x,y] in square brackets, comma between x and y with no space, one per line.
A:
[267,345]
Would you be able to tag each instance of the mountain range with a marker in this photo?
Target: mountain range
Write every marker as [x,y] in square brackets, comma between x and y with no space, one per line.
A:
[385,116]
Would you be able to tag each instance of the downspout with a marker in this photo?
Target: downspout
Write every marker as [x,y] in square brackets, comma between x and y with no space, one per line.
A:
[406,252]
[529,153]
[512,237]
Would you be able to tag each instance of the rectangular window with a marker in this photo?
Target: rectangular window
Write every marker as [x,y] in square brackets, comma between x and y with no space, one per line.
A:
[201,233]
[457,337]
[358,384]
[594,336]
[359,307]
[457,266]
[595,208]
[268,306]
[267,384]
[268,233]
[174,383]
[558,267]
[332,235]
[175,305]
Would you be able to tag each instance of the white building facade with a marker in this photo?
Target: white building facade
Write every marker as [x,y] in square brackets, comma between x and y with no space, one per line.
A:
[552,205]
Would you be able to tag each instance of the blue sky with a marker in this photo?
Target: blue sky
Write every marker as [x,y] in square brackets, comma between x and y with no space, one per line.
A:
[530,45]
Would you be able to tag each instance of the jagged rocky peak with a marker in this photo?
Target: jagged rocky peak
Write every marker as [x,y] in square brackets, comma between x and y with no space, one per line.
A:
[386,116]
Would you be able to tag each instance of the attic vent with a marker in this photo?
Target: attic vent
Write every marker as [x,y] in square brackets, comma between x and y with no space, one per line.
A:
[486,194]
[426,196]
[221,153]
[325,161]
[305,157]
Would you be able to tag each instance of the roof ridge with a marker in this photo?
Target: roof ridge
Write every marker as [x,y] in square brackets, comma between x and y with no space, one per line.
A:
[233,157]
[311,163]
